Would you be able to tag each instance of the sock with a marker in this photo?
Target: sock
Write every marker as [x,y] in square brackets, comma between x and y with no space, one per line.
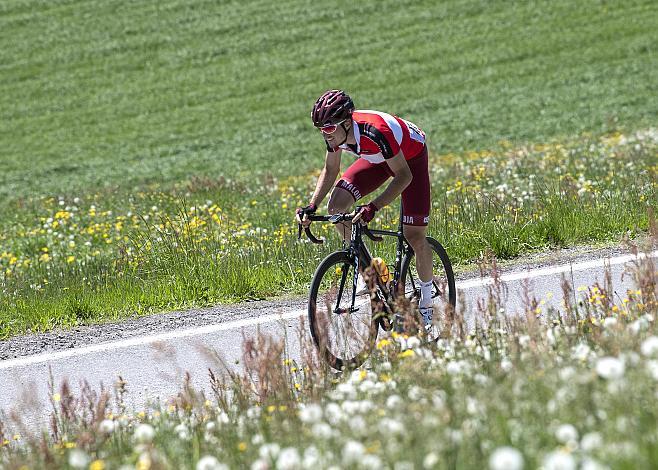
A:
[425,294]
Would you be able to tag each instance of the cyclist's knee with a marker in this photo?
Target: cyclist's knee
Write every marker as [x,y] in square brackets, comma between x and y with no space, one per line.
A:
[340,201]
[415,235]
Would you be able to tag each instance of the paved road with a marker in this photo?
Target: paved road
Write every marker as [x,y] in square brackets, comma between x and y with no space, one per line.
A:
[153,364]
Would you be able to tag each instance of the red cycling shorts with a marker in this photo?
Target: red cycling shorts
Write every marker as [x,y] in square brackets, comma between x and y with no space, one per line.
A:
[363,177]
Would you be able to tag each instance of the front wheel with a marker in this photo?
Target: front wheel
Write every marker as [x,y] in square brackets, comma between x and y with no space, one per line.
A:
[444,293]
[340,313]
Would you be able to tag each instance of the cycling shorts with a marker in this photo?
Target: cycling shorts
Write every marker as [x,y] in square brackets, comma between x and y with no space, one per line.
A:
[362,178]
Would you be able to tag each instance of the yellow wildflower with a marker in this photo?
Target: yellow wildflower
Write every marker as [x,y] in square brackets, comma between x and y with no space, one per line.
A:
[97,465]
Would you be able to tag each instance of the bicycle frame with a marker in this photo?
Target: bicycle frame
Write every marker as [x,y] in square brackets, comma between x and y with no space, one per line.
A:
[359,251]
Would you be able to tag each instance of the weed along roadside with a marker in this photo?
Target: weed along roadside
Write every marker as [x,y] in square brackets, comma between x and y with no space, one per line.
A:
[551,388]
[96,257]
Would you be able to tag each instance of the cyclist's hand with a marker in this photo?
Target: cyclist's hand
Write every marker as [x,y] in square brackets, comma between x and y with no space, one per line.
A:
[302,214]
[365,213]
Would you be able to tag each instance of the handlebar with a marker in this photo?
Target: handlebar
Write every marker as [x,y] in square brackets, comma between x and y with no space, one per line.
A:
[334,219]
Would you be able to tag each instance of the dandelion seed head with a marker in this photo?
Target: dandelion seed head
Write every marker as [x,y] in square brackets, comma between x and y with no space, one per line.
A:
[506,458]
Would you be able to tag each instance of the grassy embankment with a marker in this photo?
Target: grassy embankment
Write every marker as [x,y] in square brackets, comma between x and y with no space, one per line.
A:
[565,391]
[115,113]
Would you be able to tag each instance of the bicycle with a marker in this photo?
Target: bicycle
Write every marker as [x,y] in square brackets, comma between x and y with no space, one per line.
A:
[334,300]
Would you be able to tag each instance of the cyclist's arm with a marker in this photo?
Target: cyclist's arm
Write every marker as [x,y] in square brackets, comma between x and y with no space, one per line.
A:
[327,176]
[400,181]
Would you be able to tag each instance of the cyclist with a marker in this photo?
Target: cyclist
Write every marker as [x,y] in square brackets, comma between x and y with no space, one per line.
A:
[385,146]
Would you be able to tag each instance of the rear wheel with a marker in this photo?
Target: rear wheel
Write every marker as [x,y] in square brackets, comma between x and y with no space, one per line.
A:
[444,293]
[341,318]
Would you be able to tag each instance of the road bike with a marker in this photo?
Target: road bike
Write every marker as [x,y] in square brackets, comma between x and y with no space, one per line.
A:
[345,318]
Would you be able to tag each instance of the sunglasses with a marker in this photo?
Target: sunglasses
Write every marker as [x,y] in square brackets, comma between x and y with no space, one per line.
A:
[331,128]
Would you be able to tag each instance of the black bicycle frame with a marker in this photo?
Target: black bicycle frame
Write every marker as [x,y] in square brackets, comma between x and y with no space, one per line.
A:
[359,251]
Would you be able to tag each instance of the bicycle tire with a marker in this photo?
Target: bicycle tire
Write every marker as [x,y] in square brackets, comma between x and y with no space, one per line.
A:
[444,277]
[322,314]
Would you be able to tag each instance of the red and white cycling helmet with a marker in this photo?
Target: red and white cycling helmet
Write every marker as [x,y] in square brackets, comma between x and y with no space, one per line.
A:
[332,107]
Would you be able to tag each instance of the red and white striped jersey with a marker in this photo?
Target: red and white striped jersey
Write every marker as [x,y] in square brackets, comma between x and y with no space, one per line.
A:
[380,136]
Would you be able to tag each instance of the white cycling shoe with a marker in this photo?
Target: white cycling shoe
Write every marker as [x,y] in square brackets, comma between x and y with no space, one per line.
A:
[431,330]
[426,313]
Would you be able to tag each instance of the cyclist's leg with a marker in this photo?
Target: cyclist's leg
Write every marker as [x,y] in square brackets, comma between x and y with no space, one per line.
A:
[359,180]
[416,210]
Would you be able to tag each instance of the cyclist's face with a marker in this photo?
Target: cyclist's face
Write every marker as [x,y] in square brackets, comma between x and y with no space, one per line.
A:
[338,136]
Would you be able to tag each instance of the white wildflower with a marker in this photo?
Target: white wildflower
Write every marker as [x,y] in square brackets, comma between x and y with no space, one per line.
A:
[566,433]
[78,458]
[609,322]
[430,460]
[144,433]
[358,425]
[641,324]
[334,413]
[506,365]
[253,412]
[350,407]
[591,464]
[182,431]
[312,458]
[403,465]
[652,368]
[413,342]
[649,347]
[393,401]
[415,393]
[367,385]
[222,418]
[581,352]
[353,453]
[311,413]
[610,368]
[269,451]
[481,379]
[524,340]
[288,459]
[346,390]
[209,462]
[106,426]
[322,430]
[473,407]
[439,399]
[371,462]
[455,367]
[506,458]
[260,464]
[391,426]
[559,460]
[567,373]
[591,441]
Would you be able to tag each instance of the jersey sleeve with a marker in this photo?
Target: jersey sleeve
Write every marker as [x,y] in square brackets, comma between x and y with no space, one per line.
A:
[384,139]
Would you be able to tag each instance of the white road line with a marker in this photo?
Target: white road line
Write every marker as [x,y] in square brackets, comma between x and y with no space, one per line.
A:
[599,263]
[202,330]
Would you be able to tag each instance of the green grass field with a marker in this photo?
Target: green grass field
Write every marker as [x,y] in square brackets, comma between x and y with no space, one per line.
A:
[153,153]
[116,93]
